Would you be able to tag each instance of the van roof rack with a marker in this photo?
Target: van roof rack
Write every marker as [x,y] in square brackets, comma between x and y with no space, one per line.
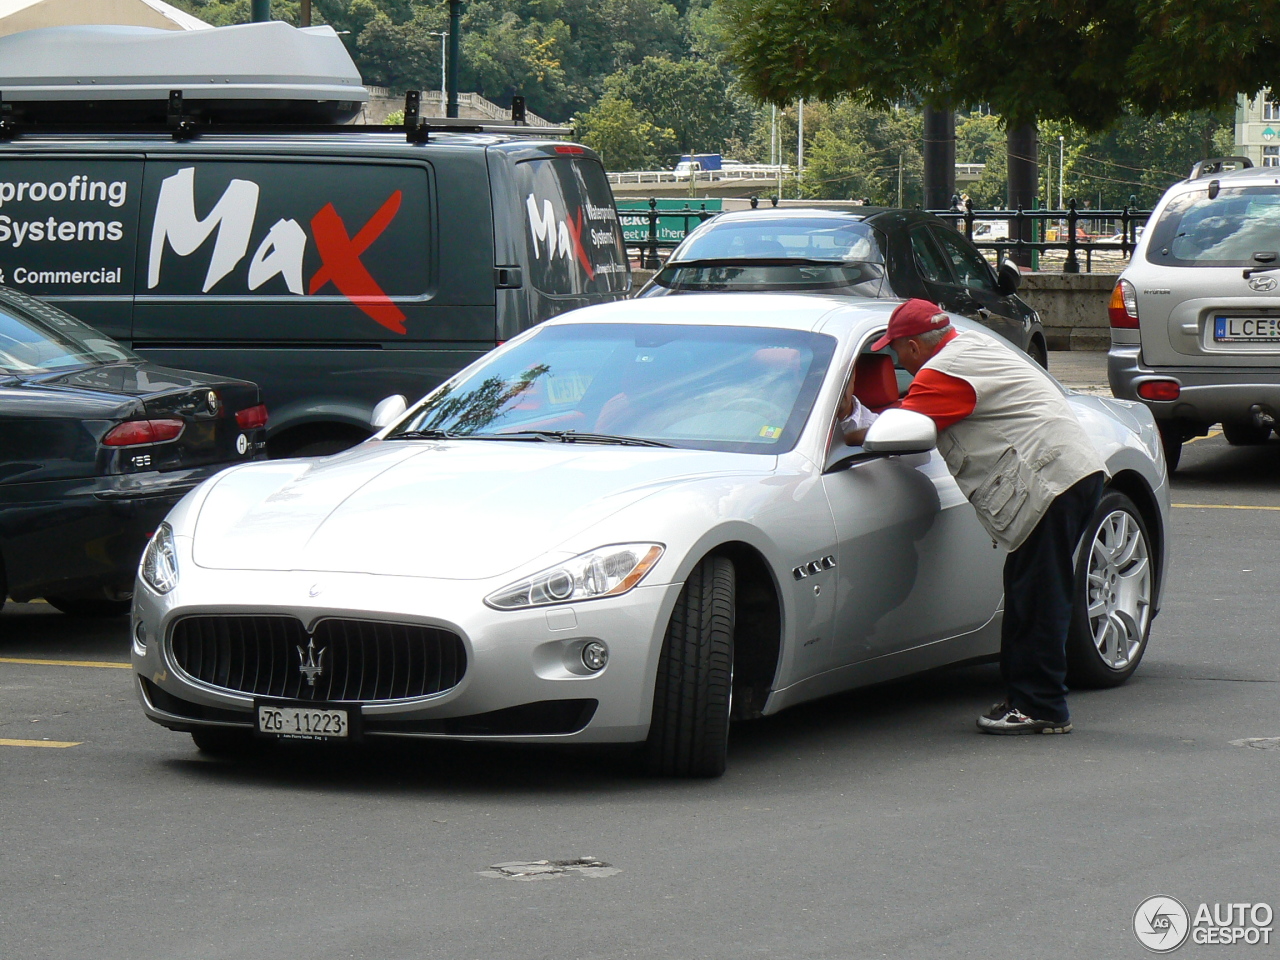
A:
[1207,168]
[183,124]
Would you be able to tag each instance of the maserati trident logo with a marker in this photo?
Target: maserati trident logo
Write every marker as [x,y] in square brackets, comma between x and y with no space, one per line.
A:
[311,663]
[1262,284]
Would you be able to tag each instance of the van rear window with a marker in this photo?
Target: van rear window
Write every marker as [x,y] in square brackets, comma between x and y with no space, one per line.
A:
[574,240]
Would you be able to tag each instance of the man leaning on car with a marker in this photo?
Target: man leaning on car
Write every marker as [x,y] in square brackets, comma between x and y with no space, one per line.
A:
[1018,453]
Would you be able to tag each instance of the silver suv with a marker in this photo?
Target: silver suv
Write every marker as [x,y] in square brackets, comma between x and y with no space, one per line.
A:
[1195,318]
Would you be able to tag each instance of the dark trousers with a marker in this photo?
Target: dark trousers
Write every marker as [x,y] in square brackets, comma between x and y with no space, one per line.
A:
[1039,589]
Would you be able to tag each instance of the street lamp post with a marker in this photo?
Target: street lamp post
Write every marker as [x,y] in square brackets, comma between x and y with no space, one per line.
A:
[455,29]
[1061,142]
[444,36]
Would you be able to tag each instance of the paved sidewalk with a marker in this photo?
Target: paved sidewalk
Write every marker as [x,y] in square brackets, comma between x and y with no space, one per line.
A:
[1082,370]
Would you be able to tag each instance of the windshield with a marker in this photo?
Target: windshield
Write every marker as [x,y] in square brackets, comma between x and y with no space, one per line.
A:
[1223,232]
[42,339]
[736,389]
[793,254]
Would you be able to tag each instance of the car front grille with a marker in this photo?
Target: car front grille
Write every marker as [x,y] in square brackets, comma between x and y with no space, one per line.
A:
[339,660]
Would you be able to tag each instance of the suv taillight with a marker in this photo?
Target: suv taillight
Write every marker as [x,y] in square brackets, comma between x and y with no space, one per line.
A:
[1123,308]
[252,417]
[133,433]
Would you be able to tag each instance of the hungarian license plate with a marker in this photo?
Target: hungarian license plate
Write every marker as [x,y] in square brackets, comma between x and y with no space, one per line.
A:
[1246,329]
[296,722]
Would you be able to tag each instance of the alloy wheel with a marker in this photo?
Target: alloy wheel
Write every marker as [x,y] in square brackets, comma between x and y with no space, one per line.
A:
[1119,589]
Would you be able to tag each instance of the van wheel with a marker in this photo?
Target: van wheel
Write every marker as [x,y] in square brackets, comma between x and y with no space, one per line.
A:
[1115,586]
[1171,439]
[689,732]
[90,607]
[1243,433]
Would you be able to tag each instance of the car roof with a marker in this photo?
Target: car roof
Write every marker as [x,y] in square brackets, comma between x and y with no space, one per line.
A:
[799,213]
[1248,176]
[787,311]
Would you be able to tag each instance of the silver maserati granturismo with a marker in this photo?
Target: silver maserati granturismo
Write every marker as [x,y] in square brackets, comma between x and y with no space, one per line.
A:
[633,523]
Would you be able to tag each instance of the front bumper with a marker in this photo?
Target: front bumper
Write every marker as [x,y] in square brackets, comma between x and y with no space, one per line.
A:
[524,680]
[1208,394]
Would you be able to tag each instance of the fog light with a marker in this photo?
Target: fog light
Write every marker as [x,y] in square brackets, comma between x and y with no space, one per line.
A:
[1159,390]
[595,655]
[140,634]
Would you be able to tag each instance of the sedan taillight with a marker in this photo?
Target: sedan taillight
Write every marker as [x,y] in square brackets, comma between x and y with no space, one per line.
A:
[252,417]
[133,433]
[1123,308]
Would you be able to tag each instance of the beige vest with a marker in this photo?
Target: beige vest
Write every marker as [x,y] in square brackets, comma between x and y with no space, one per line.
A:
[1021,447]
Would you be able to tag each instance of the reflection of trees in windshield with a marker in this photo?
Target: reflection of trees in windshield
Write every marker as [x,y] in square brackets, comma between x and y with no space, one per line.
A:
[471,411]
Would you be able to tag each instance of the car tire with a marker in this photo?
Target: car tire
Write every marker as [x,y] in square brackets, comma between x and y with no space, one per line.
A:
[1243,433]
[1115,588]
[222,741]
[689,731]
[1171,440]
[1036,350]
[90,606]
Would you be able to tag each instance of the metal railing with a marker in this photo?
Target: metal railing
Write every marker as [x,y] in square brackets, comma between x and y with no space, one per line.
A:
[1027,230]
[1080,238]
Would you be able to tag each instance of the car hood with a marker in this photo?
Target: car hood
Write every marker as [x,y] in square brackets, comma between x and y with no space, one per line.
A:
[465,510]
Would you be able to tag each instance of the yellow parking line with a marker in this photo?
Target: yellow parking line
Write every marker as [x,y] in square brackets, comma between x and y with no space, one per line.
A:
[39,743]
[1208,436]
[1221,506]
[106,664]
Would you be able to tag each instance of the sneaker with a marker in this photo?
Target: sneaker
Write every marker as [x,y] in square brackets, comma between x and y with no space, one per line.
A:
[1007,719]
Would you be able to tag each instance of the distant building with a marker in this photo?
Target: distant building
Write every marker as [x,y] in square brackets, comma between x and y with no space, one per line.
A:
[1258,128]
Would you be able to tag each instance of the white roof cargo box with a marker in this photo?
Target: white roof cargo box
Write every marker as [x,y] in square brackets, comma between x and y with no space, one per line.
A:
[255,71]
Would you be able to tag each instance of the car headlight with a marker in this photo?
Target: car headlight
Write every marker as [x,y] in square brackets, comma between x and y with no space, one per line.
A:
[159,568]
[604,572]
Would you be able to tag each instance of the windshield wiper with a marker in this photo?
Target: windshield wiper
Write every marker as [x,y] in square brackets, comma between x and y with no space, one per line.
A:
[1250,271]
[426,435]
[573,436]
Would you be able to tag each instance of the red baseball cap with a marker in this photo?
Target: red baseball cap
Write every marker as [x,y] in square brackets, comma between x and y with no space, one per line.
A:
[911,319]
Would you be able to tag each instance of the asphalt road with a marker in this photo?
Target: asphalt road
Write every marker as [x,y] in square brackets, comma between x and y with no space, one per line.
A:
[876,824]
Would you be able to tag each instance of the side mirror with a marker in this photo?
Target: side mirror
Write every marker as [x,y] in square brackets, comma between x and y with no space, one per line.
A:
[901,431]
[1008,277]
[388,411]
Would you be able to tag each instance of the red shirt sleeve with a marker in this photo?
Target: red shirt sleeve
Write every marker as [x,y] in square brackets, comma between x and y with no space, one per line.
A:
[943,398]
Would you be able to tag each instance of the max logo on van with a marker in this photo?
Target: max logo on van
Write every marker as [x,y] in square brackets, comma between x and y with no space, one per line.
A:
[563,237]
[280,252]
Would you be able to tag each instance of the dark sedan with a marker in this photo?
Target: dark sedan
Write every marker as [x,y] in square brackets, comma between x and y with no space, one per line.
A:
[96,445]
[868,252]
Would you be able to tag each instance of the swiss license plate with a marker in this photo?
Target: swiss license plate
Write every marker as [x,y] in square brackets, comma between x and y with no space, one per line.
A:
[1246,329]
[294,722]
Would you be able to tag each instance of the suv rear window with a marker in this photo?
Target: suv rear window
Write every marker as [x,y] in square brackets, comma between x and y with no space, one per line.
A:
[574,239]
[1195,231]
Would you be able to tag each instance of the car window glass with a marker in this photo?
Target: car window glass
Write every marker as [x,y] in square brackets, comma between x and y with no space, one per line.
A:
[574,241]
[856,279]
[929,260]
[29,346]
[971,268]
[1226,231]
[799,238]
[737,389]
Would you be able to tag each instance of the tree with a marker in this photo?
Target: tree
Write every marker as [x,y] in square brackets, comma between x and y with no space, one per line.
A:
[619,132]
[695,100]
[1081,61]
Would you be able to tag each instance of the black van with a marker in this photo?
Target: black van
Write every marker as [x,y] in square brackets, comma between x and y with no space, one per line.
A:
[197,196]
[333,268]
